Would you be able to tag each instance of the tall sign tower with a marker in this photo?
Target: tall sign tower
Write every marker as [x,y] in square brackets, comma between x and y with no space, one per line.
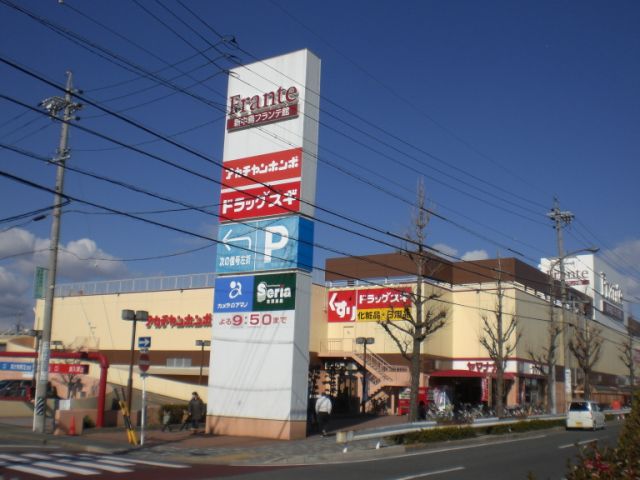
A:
[260,329]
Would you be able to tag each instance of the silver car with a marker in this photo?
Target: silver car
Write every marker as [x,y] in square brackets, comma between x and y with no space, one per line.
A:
[585,414]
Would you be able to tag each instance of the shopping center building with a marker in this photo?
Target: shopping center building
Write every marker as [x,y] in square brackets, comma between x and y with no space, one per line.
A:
[358,293]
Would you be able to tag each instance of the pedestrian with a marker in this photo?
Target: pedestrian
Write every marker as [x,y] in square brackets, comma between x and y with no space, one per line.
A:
[196,407]
[422,411]
[323,412]
[166,420]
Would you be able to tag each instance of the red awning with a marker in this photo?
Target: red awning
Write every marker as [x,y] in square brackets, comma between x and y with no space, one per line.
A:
[468,374]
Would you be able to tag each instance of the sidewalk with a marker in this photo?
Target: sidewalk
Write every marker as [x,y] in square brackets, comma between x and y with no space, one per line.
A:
[186,447]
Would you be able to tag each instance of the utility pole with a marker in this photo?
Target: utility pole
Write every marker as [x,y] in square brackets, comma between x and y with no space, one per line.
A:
[561,219]
[55,105]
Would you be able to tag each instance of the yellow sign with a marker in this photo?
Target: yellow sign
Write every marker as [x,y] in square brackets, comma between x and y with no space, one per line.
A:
[382,315]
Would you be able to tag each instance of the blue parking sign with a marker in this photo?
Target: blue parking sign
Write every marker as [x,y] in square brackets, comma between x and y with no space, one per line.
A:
[281,243]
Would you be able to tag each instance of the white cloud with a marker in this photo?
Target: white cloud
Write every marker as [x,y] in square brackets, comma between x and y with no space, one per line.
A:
[78,260]
[475,255]
[445,250]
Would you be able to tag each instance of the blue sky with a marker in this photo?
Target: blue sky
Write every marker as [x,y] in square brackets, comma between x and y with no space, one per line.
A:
[499,105]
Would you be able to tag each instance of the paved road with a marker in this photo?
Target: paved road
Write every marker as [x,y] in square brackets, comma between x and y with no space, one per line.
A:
[544,454]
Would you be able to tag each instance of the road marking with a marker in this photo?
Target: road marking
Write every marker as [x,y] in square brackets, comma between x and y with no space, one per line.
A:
[37,456]
[13,458]
[67,468]
[98,465]
[111,459]
[429,474]
[583,442]
[41,472]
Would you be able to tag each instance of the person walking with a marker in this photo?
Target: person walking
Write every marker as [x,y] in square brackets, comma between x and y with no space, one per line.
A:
[196,407]
[323,412]
[166,420]
[185,419]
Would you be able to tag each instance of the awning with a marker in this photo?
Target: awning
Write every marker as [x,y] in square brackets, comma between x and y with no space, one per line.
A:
[467,374]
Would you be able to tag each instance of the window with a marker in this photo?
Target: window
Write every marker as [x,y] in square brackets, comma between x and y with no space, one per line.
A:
[178,362]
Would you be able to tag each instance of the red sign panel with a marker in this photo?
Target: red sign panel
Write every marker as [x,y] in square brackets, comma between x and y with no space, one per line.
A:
[69,368]
[143,362]
[270,167]
[371,304]
[260,201]
[280,112]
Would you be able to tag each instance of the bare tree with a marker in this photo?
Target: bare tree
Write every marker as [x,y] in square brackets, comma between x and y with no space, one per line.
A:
[430,316]
[545,362]
[586,346]
[500,341]
[626,356]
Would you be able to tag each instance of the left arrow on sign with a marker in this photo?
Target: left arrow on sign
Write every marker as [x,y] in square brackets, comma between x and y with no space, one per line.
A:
[227,239]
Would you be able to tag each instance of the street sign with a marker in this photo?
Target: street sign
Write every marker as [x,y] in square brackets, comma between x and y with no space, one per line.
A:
[275,244]
[144,342]
[69,368]
[143,362]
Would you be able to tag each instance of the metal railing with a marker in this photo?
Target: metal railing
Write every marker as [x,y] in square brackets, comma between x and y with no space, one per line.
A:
[346,436]
[135,285]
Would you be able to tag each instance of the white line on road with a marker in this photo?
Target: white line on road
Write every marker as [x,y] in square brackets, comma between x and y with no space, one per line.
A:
[429,474]
[67,468]
[97,465]
[583,442]
[111,459]
[41,472]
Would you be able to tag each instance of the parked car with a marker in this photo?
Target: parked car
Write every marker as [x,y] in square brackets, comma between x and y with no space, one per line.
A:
[585,414]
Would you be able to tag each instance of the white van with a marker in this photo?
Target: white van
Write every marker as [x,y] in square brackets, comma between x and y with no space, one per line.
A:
[585,414]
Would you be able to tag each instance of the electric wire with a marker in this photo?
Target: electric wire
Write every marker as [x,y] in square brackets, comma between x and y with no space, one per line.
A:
[46,23]
[37,186]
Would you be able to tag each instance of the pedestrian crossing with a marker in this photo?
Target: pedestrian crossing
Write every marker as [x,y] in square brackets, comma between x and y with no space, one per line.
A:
[60,465]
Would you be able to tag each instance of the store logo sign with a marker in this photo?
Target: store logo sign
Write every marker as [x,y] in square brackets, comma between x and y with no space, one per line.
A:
[275,292]
[270,107]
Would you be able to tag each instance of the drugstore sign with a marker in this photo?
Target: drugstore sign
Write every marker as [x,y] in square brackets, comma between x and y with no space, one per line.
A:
[369,305]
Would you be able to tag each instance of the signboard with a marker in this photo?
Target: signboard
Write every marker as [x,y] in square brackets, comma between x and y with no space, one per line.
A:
[369,305]
[268,107]
[255,293]
[17,366]
[612,311]
[178,321]
[275,244]
[267,168]
[260,328]
[260,201]
[40,282]
[143,362]
[144,342]
[69,368]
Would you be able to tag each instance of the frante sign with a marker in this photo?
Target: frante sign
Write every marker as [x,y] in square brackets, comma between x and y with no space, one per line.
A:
[275,244]
[269,107]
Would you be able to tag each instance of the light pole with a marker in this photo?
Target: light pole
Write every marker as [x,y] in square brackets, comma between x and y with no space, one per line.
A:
[130,315]
[565,344]
[202,344]
[364,341]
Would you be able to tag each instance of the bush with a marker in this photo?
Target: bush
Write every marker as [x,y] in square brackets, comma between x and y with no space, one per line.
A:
[435,435]
[524,426]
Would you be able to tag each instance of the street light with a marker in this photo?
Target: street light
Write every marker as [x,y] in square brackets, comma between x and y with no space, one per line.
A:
[365,341]
[130,315]
[565,346]
[202,344]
